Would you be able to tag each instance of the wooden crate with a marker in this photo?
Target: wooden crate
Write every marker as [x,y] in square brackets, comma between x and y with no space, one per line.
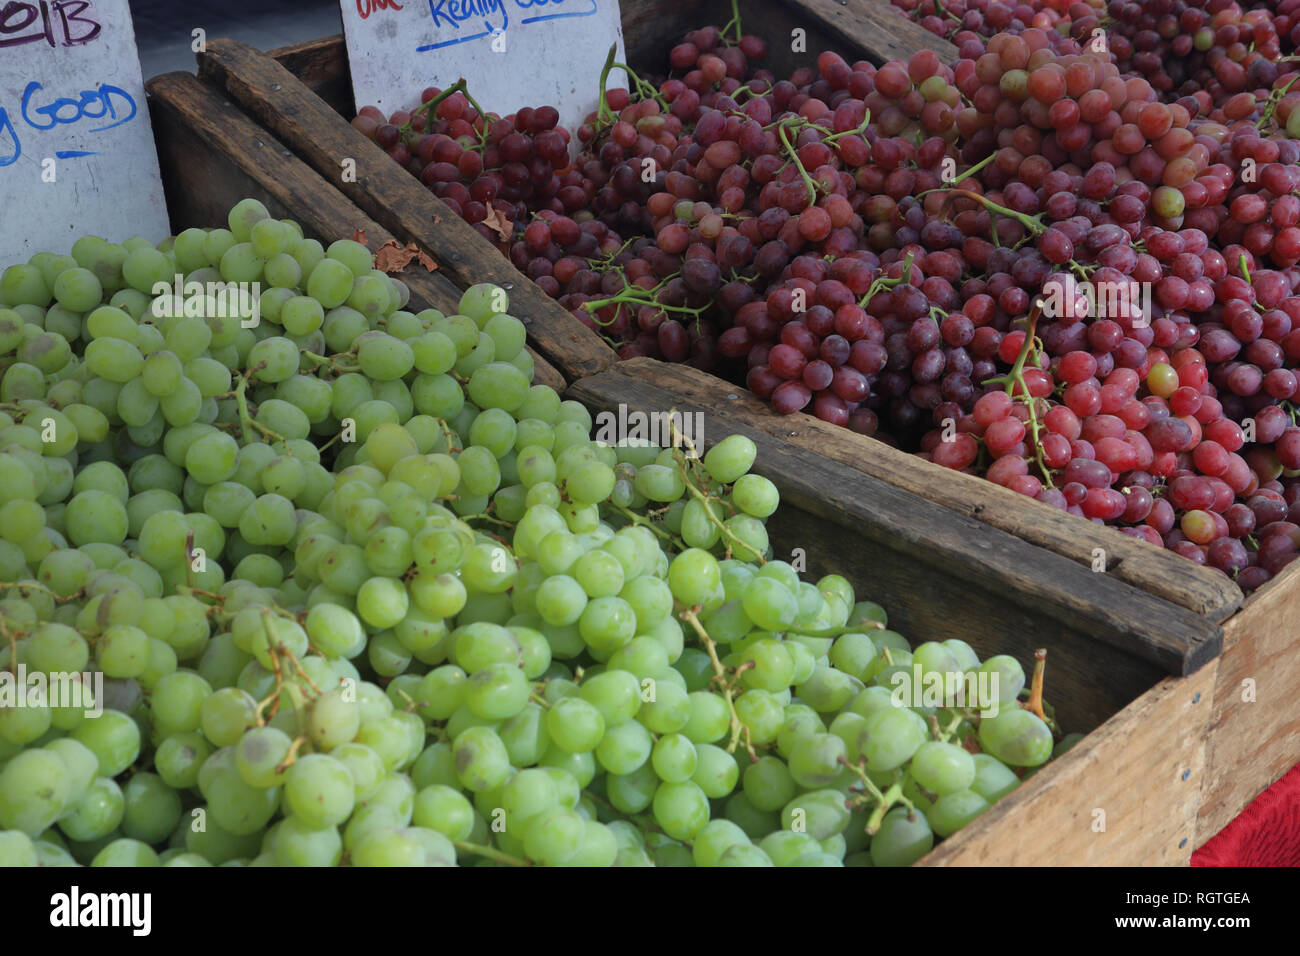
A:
[1129,793]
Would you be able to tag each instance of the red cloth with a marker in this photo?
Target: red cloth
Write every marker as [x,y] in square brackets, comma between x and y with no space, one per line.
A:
[1267,833]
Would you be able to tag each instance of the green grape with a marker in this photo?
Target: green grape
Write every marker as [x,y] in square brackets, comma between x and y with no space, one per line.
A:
[153,808]
[444,809]
[942,768]
[225,714]
[179,757]
[245,214]
[177,700]
[17,849]
[674,758]
[319,790]
[715,839]
[624,748]
[903,838]
[126,852]
[330,283]
[993,779]
[575,725]
[482,761]
[554,836]
[815,760]
[891,737]
[298,843]
[731,458]
[78,290]
[681,809]
[482,301]
[34,789]
[755,495]
[1016,737]
[954,810]
[366,767]
[768,784]
[497,691]
[258,755]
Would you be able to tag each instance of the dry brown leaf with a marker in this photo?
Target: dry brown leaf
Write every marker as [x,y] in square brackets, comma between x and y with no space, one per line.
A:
[393,257]
[499,224]
[359,235]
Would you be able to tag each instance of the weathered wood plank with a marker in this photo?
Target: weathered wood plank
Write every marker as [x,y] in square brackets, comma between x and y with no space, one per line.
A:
[1017,573]
[323,66]
[1255,735]
[212,156]
[876,27]
[395,199]
[1139,775]
[1158,572]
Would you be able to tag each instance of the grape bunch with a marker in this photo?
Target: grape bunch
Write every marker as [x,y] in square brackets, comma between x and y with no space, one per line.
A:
[337,584]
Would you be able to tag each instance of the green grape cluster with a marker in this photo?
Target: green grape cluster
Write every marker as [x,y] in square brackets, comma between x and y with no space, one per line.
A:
[340,585]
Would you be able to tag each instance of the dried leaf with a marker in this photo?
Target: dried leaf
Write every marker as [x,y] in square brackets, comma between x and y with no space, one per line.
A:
[499,224]
[393,257]
[359,235]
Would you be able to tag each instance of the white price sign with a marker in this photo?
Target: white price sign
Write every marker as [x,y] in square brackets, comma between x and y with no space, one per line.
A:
[76,149]
[512,53]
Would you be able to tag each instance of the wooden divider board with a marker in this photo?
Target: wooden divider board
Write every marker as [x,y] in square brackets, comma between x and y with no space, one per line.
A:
[395,199]
[1153,570]
[213,156]
[1104,609]
[875,26]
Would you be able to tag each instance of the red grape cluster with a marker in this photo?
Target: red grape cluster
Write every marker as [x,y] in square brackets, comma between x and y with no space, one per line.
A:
[482,167]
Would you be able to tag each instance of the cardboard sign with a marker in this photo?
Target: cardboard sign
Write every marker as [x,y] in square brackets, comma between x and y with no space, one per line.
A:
[512,53]
[76,149]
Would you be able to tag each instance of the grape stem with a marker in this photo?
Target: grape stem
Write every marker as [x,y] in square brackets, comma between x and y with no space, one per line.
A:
[734,21]
[241,400]
[605,115]
[1035,703]
[457,87]
[489,853]
[862,128]
[738,727]
[942,11]
[646,523]
[882,282]
[884,801]
[1275,97]
[1032,223]
[1018,388]
[973,170]
[292,755]
[644,90]
[794,157]
[332,361]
